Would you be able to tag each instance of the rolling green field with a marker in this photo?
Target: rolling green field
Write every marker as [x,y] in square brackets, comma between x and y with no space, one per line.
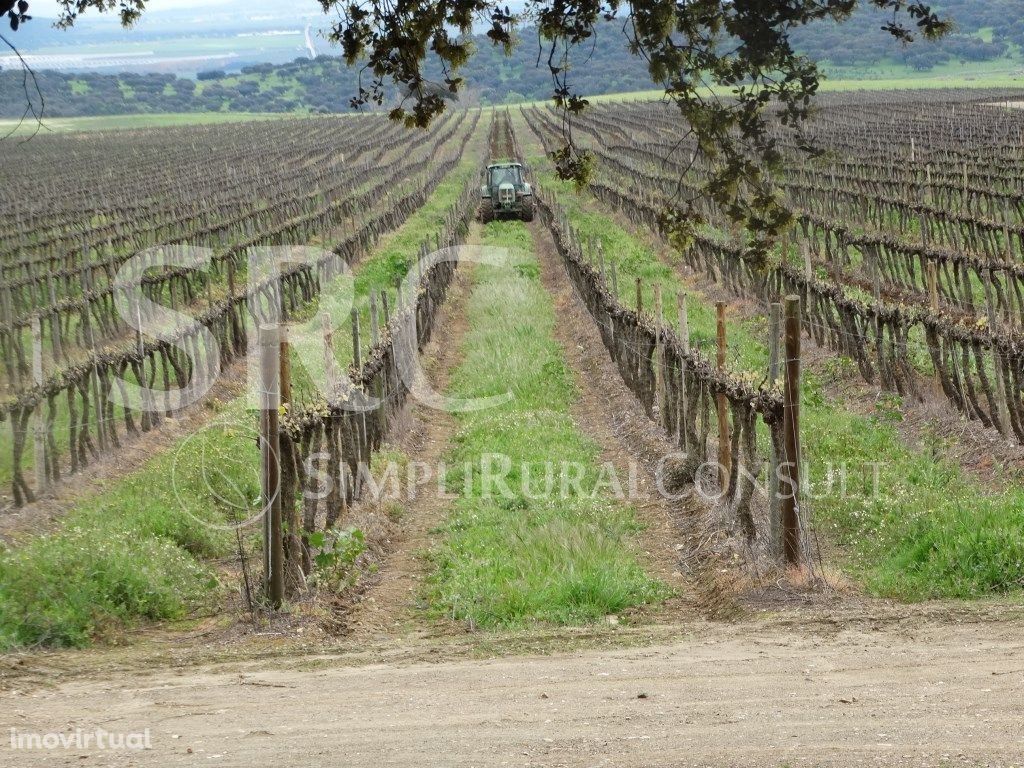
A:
[887,79]
[1002,73]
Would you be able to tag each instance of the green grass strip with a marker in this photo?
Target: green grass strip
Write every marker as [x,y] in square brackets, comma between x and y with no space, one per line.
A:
[136,549]
[528,557]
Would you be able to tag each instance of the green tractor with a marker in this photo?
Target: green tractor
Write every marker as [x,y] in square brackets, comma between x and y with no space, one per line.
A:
[506,193]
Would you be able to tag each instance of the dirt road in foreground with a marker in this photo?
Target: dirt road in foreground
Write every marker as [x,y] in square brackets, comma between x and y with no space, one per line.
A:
[951,695]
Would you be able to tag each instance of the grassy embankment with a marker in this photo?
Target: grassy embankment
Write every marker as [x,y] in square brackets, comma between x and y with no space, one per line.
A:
[1005,73]
[527,556]
[933,530]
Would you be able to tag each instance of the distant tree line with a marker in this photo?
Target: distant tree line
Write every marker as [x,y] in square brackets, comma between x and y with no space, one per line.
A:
[323,85]
[326,85]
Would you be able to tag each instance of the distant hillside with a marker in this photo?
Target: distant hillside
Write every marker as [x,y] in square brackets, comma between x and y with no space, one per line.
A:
[323,84]
[987,31]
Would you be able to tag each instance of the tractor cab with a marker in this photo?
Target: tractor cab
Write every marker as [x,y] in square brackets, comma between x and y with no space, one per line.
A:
[511,174]
[506,193]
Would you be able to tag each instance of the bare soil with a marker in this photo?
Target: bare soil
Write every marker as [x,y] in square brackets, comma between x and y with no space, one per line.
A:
[914,690]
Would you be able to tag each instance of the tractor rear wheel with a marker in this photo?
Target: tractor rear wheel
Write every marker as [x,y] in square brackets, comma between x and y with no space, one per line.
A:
[527,208]
[486,210]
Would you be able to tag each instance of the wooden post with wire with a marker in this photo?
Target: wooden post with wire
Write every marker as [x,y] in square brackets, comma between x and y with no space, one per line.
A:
[38,427]
[774,508]
[1002,408]
[933,287]
[55,329]
[1012,308]
[329,369]
[270,470]
[357,357]
[724,456]
[374,321]
[790,510]
[684,340]
[659,355]
[284,365]
[876,277]
[639,299]
[292,546]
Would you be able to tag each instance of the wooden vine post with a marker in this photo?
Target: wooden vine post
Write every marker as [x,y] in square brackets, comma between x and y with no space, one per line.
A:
[724,455]
[1012,308]
[357,355]
[789,502]
[38,425]
[292,549]
[329,370]
[1002,408]
[95,379]
[55,330]
[933,287]
[270,470]
[774,508]
[374,321]
[684,339]
[285,365]
[659,354]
